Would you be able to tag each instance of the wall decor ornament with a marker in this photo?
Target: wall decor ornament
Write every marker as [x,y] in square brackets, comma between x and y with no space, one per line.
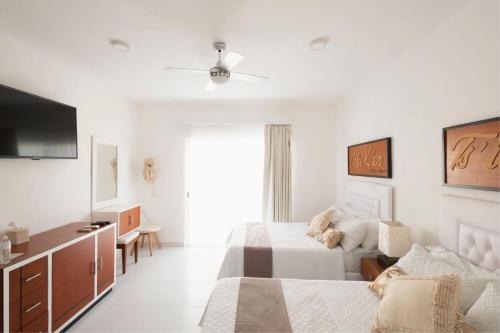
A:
[150,172]
[471,155]
[370,159]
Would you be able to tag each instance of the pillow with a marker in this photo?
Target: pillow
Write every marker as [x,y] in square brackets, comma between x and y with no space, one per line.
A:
[419,262]
[428,304]
[484,315]
[371,239]
[354,232]
[382,280]
[349,210]
[330,237]
[320,222]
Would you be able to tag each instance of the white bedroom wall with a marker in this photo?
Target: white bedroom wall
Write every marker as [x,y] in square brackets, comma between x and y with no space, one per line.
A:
[162,130]
[48,193]
[448,77]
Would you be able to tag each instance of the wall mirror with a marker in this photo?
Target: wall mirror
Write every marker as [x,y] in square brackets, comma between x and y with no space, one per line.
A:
[104,172]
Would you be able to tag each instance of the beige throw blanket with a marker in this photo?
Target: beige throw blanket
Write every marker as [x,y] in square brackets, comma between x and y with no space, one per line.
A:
[258,252]
[261,307]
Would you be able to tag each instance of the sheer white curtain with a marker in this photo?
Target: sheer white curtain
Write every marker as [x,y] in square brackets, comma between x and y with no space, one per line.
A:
[277,199]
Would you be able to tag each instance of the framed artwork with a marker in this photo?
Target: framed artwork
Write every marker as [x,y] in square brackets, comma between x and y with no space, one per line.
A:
[370,159]
[471,155]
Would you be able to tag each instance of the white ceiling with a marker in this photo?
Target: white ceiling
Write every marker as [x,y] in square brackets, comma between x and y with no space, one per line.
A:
[272,34]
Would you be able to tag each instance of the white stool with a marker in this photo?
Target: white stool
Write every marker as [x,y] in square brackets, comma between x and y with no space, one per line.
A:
[148,230]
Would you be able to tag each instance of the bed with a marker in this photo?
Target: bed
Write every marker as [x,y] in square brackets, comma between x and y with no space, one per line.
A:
[292,254]
[472,233]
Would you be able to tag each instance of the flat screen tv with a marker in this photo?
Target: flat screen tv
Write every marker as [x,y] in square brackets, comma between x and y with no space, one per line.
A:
[35,127]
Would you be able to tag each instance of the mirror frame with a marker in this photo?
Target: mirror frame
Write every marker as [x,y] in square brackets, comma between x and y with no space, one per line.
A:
[106,141]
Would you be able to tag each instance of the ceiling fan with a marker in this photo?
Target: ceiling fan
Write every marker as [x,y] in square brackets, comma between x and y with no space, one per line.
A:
[221,72]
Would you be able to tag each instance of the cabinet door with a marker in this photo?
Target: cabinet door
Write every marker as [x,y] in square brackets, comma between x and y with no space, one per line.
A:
[73,276]
[105,259]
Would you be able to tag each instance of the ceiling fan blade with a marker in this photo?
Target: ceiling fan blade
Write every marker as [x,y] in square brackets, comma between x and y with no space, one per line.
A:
[191,70]
[248,77]
[210,86]
[231,60]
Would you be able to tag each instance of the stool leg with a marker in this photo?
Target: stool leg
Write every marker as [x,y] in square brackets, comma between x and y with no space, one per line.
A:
[150,247]
[132,251]
[142,240]
[155,234]
[136,252]
[124,259]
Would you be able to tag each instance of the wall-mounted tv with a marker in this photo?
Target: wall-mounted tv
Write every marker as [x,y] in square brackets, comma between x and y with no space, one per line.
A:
[35,127]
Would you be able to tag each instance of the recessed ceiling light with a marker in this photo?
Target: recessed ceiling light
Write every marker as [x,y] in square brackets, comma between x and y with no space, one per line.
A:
[119,45]
[318,43]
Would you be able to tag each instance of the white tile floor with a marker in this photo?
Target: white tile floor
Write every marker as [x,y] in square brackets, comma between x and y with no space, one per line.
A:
[163,293]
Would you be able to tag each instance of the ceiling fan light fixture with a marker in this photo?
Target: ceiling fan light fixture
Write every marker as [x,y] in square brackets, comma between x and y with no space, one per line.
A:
[318,44]
[219,75]
[119,45]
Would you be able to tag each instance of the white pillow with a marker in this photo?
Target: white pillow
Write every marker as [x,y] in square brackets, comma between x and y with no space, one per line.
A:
[484,315]
[371,238]
[419,262]
[354,233]
[348,209]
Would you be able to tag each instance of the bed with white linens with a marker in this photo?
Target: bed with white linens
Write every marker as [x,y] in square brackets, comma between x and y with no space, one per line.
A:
[298,256]
[469,247]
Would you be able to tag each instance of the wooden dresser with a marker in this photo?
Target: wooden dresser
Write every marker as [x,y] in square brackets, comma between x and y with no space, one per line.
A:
[60,274]
[126,217]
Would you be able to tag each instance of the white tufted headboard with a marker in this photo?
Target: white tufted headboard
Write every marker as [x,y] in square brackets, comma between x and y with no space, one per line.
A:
[370,198]
[471,229]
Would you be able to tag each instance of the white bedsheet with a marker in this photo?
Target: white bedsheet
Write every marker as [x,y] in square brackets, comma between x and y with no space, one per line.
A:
[295,255]
[352,260]
[313,306]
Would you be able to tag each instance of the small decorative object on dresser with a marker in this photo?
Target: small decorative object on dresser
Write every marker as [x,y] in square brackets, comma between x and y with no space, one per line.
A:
[16,234]
[370,269]
[394,240]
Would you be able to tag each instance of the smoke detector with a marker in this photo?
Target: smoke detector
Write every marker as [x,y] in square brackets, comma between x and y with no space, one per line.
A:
[318,44]
[119,45]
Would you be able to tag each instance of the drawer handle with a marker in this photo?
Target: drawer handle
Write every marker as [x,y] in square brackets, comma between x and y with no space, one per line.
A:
[33,307]
[130,219]
[33,277]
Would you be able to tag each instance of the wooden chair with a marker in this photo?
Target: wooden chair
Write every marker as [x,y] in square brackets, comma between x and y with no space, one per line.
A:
[147,230]
[123,243]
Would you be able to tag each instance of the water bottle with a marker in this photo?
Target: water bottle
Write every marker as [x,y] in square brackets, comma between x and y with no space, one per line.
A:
[5,248]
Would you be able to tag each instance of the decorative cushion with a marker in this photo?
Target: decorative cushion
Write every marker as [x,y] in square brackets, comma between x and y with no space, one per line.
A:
[330,237]
[419,262]
[382,280]
[320,222]
[146,228]
[428,304]
[484,314]
[371,238]
[354,232]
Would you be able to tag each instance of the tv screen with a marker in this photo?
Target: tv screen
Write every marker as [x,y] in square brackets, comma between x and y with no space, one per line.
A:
[35,127]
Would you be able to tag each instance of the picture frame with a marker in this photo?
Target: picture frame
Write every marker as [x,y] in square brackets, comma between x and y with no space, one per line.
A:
[370,159]
[471,155]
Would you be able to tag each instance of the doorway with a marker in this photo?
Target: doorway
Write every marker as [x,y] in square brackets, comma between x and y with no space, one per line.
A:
[224,177]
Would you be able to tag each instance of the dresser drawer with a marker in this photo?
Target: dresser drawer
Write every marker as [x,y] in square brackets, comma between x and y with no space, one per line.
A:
[33,305]
[33,275]
[129,220]
[39,324]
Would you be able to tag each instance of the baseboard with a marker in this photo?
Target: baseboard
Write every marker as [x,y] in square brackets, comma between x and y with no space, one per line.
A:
[172,244]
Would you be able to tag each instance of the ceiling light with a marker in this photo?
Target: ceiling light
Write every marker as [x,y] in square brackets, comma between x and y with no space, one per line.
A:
[318,43]
[119,45]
